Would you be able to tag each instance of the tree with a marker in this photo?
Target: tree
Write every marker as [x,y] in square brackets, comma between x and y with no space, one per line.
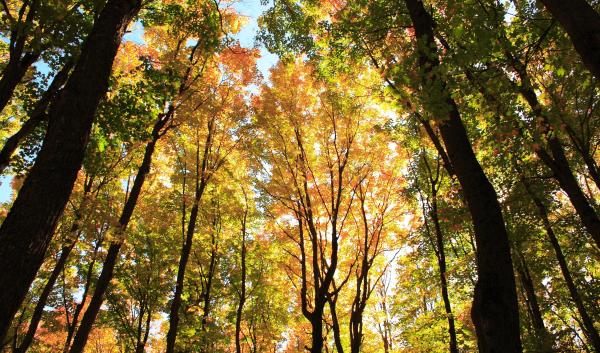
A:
[582,29]
[28,228]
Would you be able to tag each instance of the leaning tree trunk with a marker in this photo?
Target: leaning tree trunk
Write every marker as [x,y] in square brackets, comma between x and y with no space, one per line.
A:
[36,117]
[335,324]
[582,24]
[589,329]
[86,289]
[36,317]
[495,310]
[106,275]
[38,311]
[13,74]
[554,156]
[20,60]
[201,169]
[28,227]
[543,336]
[141,344]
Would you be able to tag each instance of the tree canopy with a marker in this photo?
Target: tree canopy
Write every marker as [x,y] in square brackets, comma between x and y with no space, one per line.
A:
[405,176]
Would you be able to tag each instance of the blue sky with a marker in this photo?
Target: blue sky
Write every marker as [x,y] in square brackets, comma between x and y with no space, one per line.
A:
[251,9]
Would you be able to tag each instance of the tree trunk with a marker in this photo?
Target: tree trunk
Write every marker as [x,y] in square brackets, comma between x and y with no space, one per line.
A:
[18,63]
[201,168]
[13,74]
[588,323]
[335,325]
[316,323]
[28,227]
[209,282]
[582,24]
[495,309]
[556,159]
[439,236]
[183,260]
[37,115]
[559,166]
[39,307]
[242,299]
[92,311]
[141,345]
[79,307]
[543,337]
[106,275]
[592,167]
[58,268]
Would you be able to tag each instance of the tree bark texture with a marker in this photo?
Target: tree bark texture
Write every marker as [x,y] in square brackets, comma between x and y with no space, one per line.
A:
[28,227]
[495,308]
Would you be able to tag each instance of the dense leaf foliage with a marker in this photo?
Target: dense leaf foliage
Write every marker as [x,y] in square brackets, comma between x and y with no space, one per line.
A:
[337,201]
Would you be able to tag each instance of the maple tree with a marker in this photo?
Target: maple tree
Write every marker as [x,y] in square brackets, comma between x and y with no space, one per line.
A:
[405,176]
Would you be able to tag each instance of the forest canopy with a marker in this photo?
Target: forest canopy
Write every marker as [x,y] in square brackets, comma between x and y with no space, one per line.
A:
[300,176]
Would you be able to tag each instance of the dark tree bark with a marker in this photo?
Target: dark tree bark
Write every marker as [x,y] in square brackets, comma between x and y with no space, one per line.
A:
[323,270]
[37,116]
[110,262]
[495,309]
[553,155]
[543,336]
[372,224]
[584,149]
[13,74]
[201,182]
[28,227]
[589,329]
[242,298]
[440,253]
[335,325]
[19,60]
[39,307]
[79,307]
[141,342]
[208,280]
[58,268]
[582,24]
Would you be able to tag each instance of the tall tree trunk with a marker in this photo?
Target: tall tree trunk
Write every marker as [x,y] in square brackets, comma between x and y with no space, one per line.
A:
[590,330]
[242,299]
[554,156]
[28,227]
[582,24]
[441,255]
[431,208]
[141,345]
[335,325]
[58,268]
[206,345]
[543,336]
[201,170]
[39,307]
[106,275]
[37,115]
[495,310]
[79,307]
[316,323]
[20,60]
[13,74]
[209,281]
[592,167]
